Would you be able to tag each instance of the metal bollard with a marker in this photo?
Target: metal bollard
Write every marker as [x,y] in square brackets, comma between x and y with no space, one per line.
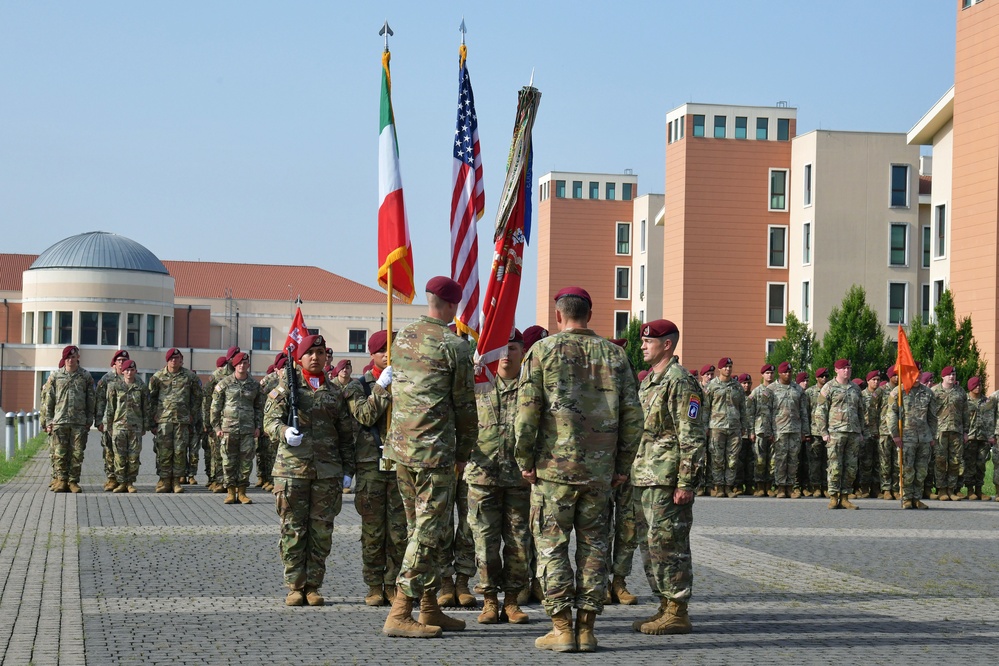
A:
[9,449]
[22,434]
[38,423]
[30,418]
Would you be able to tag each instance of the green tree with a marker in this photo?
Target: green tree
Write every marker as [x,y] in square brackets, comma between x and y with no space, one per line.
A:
[856,333]
[922,340]
[797,346]
[954,344]
[634,349]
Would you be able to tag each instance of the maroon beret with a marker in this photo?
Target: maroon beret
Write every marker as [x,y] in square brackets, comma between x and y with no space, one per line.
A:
[232,352]
[62,363]
[744,377]
[801,377]
[723,361]
[532,334]
[69,350]
[307,343]
[821,372]
[841,363]
[129,364]
[281,362]
[974,383]
[517,336]
[620,342]
[926,378]
[239,358]
[173,351]
[341,365]
[858,381]
[784,367]
[707,368]
[658,328]
[767,367]
[891,372]
[445,288]
[280,356]
[642,375]
[948,370]
[368,366]
[121,353]
[377,341]
[270,368]
[220,361]
[873,374]
[695,373]
[574,291]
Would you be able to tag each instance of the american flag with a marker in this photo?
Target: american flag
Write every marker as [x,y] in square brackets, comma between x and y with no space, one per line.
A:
[467,204]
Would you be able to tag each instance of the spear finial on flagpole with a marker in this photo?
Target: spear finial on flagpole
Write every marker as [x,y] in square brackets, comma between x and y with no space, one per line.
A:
[462,30]
[387,32]
[531,84]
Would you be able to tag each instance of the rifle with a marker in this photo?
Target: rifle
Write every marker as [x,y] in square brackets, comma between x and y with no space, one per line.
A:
[292,380]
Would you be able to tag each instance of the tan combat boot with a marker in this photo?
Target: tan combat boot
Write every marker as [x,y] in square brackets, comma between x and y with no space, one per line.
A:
[673,621]
[313,598]
[782,492]
[511,609]
[560,638]
[121,488]
[972,493]
[162,487]
[796,493]
[181,480]
[886,495]
[920,505]
[760,491]
[74,487]
[621,593]
[844,501]
[110,484]
[241,496]
[192,481]
[490,609]
[716,491]
[231,497]
[177,488]
[957,496]
[833,501]
[586,640]
[446,597]
[663,605]
[131,488]
[295,598]
[259,483]
[982,495]
[432,615]
[465,597]
[220,488]
[61,486]
[943,494]
[400,622]
[733,491]
[389,593]
[375,596]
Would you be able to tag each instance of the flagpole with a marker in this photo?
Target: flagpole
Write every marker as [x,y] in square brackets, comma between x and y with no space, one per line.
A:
[901,473]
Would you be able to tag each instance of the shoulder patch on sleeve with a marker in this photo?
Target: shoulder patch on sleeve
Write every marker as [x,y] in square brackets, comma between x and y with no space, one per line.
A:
[219,387]
[275,392]
[693,406]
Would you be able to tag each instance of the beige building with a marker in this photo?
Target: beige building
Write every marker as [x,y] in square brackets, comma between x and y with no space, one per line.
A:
[647,257]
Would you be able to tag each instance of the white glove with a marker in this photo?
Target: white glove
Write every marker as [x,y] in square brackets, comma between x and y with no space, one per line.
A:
[385,379]
[293,437]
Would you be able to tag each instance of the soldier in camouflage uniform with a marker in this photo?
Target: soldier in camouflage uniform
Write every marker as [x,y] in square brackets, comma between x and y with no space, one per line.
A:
[867,467]
[761,407]
[671,449]
[577,430]
[919,407]
[266,447]
[213,459]
[68,412]
[125,417]
[790,422]
[724,412]
[887,453]
[175,412]
[816,448]
[308,472]
[499,498]
[980,437]
[101,397]
[704,480]
[951,426]
[377,499]
[431,435]
[237,419]
[840,423]
[747,460]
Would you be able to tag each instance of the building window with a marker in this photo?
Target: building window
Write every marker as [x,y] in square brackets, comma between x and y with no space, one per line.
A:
[777,247]
[29,328]
[740,127]
[808,184]
[898,252]
[897,292]
[46,321]
[641,282]
[719,127]
[622,283]
[669,132]
[627,191]
[151,330]
[89,326]
[924,303]
[899,185]
[778,189]
[698,125]
[641,315]
[133,329]
[560,189]
[261,340]
[762,129]
[783,129]
[806,310]
[609,191]
[927,242]
[65,320]
[577,189]
[806,243]
[109,328]
[621,320]
[624,238]
[356,340]
[776,303]
[594,189]
[682,118]
[771,346]
[938,290]
[940,247]
[641,240]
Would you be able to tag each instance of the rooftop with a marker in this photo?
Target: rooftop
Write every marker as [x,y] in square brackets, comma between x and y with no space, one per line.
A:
[99,249]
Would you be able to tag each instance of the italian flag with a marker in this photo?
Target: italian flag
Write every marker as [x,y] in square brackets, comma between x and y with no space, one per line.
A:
[395,252]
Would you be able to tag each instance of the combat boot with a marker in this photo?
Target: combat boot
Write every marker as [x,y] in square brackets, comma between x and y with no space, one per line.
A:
[220,488]
[920,505]
[181,480]
[733,491]
[982,495]
[781,492]
[131,488]
[446,597]
[259,483]
[972,493]
[637,624]
[909,504]
[162,486]
[844,502]
[110,484]
[268,486]
[375,596]
[511,609]
[432,615]
[390,593]
[465,598]
[74,487]
[621,593]
[400,622]
[887,495]
[295,598]
[243,499]
[943,494]
[771,492]
[177,488]
[833,502]
[586,640]
[490,609]
[760,491]
[796,493]
[313,598]
[121,488]
[934,495]
[673,621]
[231,497]
[560,638]
[958,496]
[192,481]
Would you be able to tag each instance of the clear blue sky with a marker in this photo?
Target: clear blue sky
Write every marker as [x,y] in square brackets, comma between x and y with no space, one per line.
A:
[248,130]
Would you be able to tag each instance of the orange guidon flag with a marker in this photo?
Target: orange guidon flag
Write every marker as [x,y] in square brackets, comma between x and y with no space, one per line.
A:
[905,365]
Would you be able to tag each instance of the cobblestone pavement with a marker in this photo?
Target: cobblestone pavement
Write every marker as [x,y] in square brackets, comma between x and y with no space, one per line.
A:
[100,578]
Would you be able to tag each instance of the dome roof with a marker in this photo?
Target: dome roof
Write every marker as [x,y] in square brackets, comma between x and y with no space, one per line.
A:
[100,249]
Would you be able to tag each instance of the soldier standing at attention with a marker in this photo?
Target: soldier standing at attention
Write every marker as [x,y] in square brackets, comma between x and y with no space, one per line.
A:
[816,449]
[887,454]
[761,432]
[916,440]
[724,412]
[101,397]
[125,417]
[499,498]
[790,422]
[577,429]
[952,424]
[237,419]
[342,372]
[68,412]
[980,437]
[266,447]
[213,458]
[671,450]
[706,374]
[431,435]
[174,402]
[377,499]
[840,421]
[309,468]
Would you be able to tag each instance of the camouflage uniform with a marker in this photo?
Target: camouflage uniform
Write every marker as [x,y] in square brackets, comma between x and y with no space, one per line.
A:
[309,477]
[887,452]
[816,449]
[499,499]
[725,414]
[213,459]
[790,421]
[238,411]
[746,459]
[174,404]
[578,425]
[867,473]
[69,408]
[266,447]
[919,407]
[127,408]
[101,401]
[841,416]
[981,420]
[376,492]
[433,427]
[458,543]
[669,455]
[951,426]
[762,401]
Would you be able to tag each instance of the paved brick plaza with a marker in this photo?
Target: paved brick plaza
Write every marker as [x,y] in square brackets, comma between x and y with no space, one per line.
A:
[100,578]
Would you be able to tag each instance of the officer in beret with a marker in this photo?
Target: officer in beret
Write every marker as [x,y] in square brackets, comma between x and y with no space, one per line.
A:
[101,394]
[816,449]
[213,456]
[176,400]
[67,413]
[841,425]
